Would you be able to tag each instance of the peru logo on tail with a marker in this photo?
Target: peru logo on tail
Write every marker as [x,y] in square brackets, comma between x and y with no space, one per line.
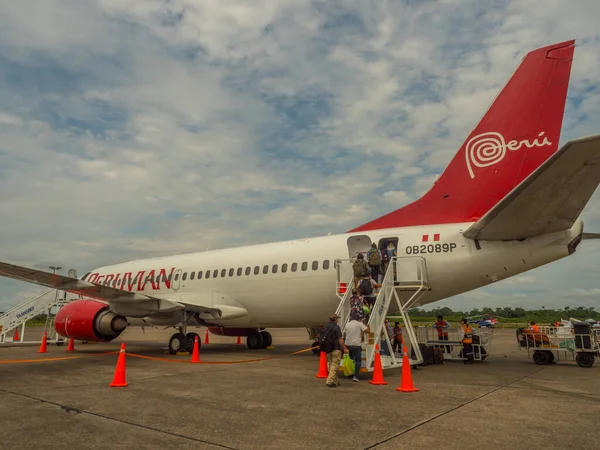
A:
[490,148]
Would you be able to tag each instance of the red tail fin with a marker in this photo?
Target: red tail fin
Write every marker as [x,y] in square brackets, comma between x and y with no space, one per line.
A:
[518,133]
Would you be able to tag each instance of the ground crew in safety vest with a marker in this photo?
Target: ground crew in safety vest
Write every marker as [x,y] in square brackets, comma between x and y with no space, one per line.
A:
[534,327]
[467,341]
[442,330]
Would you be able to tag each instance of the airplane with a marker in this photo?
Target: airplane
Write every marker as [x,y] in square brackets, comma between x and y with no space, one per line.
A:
[508,202]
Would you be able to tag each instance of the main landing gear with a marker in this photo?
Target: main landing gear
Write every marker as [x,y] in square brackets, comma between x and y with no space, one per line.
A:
[259,339]
[181,342]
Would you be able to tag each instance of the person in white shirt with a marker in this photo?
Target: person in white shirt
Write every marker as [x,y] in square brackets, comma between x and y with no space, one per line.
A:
[354,331]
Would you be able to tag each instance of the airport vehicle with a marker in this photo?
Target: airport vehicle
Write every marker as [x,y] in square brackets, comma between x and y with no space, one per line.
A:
[549,344]
[508,202]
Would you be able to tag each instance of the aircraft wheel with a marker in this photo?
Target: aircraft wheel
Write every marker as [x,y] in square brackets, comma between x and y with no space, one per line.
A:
[60,342]
[541,358]
[192,337]
[254,341]
[267,339]
[585,359]
[178,342]
[316,351]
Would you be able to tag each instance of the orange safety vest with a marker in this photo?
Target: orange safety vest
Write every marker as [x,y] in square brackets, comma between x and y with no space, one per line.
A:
[468,330]
[534,328]
[441,331]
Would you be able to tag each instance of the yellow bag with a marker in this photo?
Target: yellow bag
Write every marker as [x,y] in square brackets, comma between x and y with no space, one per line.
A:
[348,365]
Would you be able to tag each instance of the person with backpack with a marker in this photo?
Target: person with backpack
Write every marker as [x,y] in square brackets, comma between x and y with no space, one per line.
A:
[360,268]
[374,259]
[366,288]
[332,343]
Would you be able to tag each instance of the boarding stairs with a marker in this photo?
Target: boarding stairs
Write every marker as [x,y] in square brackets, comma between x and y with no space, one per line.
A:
[47,302]
[404,283]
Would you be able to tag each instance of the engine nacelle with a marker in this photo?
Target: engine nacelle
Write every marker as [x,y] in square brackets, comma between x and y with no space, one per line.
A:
[89,320]
[221,331]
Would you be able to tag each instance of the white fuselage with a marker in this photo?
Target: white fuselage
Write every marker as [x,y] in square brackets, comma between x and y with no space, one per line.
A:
[305,296]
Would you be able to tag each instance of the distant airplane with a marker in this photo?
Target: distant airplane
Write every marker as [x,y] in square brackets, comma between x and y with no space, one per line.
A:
[508,202]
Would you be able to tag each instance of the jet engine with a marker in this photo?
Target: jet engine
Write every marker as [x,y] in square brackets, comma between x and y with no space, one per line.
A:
[89,320]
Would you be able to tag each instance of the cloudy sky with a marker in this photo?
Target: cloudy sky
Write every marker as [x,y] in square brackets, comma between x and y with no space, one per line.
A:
[135,128]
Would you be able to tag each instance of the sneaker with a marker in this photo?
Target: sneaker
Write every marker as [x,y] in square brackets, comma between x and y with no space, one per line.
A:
[354,378]
[331,385]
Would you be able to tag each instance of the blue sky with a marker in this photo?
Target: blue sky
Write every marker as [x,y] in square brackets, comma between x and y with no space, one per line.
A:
[141,128]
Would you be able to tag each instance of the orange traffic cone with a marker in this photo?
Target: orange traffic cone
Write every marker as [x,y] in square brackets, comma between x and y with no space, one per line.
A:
[239,340]
[119,378]
[196,352]
[71,347]
[43,347]
[323,370]
[406,382]
[377,369]
[16,336]
[206,337]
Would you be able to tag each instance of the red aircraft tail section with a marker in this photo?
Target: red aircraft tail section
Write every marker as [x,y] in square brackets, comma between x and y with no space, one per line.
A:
[518,133]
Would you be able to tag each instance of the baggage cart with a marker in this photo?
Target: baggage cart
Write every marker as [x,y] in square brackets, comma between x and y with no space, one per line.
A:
[578,342]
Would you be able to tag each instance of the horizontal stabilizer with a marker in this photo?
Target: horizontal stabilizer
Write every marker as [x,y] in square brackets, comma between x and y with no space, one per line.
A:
[549,200]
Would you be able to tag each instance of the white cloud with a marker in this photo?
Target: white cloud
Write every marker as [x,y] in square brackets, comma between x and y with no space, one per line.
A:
[139,128]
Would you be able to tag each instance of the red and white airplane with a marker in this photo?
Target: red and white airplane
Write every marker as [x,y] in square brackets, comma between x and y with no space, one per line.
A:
[508,202]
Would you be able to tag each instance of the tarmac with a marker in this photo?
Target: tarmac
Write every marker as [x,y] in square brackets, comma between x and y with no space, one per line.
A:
[237,399]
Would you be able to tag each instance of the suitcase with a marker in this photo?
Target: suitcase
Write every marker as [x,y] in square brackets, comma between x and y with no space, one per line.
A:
[427,353]
[438,355]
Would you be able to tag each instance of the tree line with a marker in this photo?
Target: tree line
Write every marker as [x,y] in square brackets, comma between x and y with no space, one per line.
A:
[507,313]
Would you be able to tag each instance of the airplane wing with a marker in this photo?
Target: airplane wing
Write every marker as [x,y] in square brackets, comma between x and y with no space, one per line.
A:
[549,200]
[142,302]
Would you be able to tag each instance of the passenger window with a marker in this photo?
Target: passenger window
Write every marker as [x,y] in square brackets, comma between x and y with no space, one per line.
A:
[274,268]
[248,269]
[304,266]
[265,269]
[176,276]
[223,272]
[326,264]
[239,272]
[170,277]
[207,274]
[215,273]
[231,272]
[294,267]
[192,275]
[315,265]
[200,274]
[184,276]
[284,268]
[256,270]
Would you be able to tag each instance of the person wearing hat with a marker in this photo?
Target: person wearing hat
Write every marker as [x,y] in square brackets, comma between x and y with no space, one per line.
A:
[332,345]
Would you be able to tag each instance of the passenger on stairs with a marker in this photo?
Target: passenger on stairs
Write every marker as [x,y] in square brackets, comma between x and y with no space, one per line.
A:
[353,338]
[360,268]
[374,260]
[366,287]
[356,305]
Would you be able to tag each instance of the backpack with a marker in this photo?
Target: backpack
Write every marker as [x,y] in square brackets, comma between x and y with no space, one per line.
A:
[327,339]
[358,267]
[365,287]
[375,258]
